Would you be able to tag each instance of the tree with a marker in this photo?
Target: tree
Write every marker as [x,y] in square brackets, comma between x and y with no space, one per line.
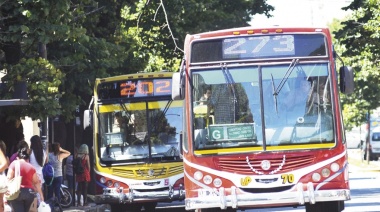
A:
[88,39]
[360,46]
[161,26]
[99,38]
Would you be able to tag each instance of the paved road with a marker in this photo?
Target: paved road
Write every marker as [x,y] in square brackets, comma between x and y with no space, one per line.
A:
[367,175]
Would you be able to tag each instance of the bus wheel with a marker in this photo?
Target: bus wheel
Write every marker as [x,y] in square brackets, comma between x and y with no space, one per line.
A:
[150,206]
[336,206]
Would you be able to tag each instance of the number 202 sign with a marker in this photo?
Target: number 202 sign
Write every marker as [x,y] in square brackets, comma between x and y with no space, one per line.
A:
[141,88]
[258,46]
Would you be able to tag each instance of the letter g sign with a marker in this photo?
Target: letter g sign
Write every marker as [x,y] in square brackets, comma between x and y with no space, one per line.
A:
[216,134]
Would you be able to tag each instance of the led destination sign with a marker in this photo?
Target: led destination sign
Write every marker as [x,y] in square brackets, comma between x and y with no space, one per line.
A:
[259,46]
[135,88]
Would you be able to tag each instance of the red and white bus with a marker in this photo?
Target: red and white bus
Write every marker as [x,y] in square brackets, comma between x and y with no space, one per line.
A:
[271,132]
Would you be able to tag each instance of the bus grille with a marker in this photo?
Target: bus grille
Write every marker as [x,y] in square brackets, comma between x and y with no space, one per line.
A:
[267,190]
[146,172]
[252,165]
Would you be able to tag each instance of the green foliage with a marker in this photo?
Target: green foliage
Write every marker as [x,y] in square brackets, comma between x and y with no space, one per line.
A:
[90,39]
[161,26]
[42,80]
[359,44]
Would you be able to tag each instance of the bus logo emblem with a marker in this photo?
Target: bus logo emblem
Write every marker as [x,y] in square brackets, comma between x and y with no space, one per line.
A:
[245,181]
[150,172]
[265,164]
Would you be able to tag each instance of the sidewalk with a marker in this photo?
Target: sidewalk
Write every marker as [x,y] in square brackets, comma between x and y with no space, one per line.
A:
[355,163]
[92,207]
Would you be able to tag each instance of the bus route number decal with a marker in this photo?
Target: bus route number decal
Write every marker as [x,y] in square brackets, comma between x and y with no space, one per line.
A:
[287,178]
[246,47]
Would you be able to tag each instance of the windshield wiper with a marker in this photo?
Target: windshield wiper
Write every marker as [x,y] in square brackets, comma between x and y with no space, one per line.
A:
[274,95]
[282,83]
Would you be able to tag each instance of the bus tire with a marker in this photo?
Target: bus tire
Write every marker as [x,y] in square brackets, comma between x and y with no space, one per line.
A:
[334,206]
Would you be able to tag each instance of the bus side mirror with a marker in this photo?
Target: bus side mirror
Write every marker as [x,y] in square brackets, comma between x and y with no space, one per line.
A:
[177,86]
[180,144]
[346,75]
[87,119]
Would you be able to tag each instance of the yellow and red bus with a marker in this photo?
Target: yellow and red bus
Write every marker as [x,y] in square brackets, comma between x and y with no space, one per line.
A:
[270,134]
[137,128]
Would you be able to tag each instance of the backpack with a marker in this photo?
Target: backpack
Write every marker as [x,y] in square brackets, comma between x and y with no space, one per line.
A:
[48,173]
[78,166]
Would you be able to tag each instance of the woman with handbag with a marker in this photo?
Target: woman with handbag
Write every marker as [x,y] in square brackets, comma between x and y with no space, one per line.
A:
[29,185]
[4,163]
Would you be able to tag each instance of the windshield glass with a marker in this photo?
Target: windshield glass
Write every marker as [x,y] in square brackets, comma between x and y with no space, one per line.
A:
[140,131]
[264,107]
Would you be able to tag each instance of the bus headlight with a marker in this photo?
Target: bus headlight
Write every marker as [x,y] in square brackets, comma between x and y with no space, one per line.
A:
[316,177]
[109,183]
[217,182]
[207,179]
[116,185]
[103,180]
[198,175]
[334,167]
[326,172]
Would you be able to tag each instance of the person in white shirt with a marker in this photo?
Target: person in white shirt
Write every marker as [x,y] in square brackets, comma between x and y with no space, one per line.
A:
[38,158]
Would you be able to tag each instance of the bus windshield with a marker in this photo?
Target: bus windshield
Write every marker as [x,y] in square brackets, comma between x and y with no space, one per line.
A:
[140,131]
[268,106]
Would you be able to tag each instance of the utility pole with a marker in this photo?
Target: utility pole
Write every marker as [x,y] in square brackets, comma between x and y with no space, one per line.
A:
[44,123]
[368,136]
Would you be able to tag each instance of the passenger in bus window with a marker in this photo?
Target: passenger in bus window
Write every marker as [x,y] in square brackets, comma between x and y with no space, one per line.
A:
[120,123]
[206,95]
[203,108]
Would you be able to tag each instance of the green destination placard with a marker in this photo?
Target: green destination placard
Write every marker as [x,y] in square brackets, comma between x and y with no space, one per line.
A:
[231,132]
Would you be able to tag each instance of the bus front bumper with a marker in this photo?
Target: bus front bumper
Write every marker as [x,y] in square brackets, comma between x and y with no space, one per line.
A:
[113,195]
[258,200]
